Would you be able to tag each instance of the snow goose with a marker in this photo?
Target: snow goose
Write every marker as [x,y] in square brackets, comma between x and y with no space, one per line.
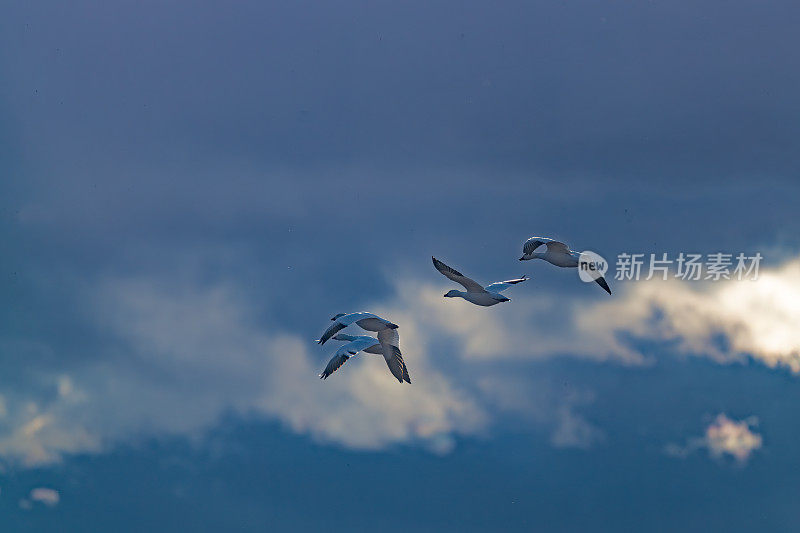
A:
[485,296]
[556,253]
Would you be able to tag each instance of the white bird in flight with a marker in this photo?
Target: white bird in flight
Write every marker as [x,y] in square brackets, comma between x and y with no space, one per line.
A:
[485,296]
[556,253]
[366,321]
[386,344]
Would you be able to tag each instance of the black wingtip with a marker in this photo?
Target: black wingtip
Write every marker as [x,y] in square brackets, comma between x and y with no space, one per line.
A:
[602,282]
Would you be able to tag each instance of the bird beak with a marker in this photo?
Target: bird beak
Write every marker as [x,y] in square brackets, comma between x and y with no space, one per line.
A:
[522,258]
[393,326]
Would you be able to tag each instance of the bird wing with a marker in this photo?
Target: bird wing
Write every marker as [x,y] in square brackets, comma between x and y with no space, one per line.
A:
[453,274]
[532,244]
[390,340]
[373,323]
[375,349]
[558,247]
[345,352]
[354,338]
[394,360]
[331,331]
[552,246]
[500,286]
[333,365]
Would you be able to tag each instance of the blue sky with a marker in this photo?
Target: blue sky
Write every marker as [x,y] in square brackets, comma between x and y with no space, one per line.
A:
[190,191]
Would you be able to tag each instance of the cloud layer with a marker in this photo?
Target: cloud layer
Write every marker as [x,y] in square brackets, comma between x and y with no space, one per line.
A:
[178,356]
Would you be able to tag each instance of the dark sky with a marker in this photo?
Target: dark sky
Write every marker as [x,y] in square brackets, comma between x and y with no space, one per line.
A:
[189,191]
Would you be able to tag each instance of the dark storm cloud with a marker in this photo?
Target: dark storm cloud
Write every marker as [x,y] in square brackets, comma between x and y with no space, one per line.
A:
[642,90]
[263,139]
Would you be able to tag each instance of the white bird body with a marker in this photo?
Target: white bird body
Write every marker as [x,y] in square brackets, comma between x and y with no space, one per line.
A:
[485,299]
[563,260]
[475,293]
[373,347]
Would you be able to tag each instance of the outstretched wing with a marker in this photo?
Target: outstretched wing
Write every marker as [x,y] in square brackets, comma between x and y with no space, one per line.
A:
[331,331]
[500,286]
[336,361]
[558,247]
[390,341]
[394,360]
[453,274]
[345,352]
[552,246]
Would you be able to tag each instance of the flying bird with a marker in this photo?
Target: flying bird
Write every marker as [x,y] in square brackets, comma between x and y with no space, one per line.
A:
[387,346]
[366,321]
[556,253]
[485,296]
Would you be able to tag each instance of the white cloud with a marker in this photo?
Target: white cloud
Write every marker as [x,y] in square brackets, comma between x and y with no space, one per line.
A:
[184,357]
[532,326]
[725,320]
[46,496]
[726,436]
[723,436]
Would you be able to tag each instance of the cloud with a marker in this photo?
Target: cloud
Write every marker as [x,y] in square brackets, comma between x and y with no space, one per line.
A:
[539,403]
[532,326]
[723,436]
[726,320]
[726,436]
[573,430]
[180,358]
[44,495]
[180,355]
